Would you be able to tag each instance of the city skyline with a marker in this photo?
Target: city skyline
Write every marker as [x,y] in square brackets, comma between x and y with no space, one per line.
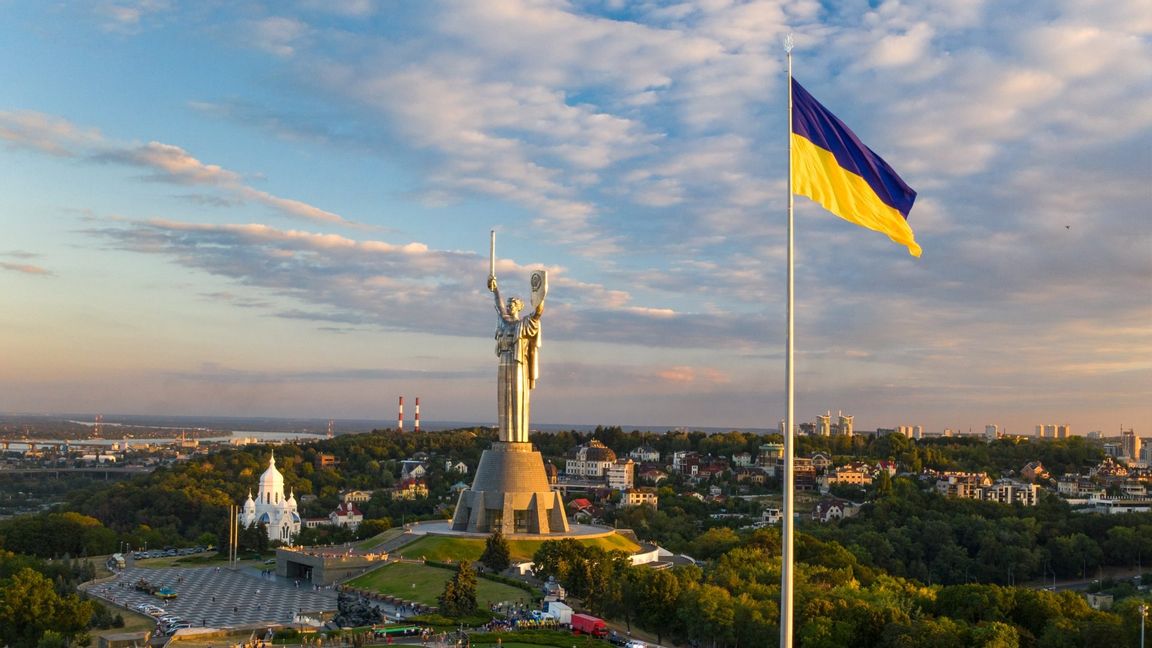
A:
[283,210]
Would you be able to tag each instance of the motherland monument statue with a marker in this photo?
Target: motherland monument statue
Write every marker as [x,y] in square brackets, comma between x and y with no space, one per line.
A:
[511,492]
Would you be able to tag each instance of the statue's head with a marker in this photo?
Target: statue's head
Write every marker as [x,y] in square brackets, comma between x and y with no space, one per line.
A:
[515,305]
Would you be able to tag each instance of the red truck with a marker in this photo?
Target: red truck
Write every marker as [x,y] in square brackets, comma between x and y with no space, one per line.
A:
[590,625]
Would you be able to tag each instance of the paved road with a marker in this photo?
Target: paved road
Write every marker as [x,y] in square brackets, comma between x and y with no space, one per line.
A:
[219,597]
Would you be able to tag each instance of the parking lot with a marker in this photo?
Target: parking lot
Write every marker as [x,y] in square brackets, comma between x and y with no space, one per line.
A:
[169,552]
[216,597]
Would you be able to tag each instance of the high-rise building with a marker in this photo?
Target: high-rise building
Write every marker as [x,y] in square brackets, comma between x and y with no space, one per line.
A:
[1130,444]
[844,425]
[991,432]
[1045,431]
[824,424]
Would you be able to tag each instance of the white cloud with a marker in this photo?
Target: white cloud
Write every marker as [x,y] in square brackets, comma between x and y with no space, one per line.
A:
[347,8]
[128,16]
[653,136]
[172,164]
[898,50]
[166,162]
[45,133]
[25,268]
[279,35]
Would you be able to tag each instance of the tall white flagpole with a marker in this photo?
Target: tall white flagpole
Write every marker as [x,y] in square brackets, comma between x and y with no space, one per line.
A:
[786,539]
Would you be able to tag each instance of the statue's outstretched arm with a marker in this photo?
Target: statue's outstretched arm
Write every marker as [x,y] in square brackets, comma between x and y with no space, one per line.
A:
[495,288]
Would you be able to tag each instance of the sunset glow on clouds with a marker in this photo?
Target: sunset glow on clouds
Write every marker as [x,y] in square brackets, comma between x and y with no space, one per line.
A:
[283,209]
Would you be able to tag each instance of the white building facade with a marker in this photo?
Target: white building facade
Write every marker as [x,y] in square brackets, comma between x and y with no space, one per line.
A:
[591,460]
[621,475]
[271,508]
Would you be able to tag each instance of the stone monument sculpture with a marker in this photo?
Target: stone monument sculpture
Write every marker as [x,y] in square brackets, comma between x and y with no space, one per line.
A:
[511,491]
[517,347]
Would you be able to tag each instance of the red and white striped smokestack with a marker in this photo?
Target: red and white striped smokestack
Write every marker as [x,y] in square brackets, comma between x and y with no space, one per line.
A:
[417,419]
[400,416]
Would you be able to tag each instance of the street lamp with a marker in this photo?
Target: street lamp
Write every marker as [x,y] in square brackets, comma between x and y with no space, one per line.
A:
[1143,614]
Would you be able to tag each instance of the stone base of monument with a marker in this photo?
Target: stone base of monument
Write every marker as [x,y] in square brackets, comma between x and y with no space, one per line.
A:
[511,494]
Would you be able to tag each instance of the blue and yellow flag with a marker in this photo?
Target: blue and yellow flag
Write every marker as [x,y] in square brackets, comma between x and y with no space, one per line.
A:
[833,167]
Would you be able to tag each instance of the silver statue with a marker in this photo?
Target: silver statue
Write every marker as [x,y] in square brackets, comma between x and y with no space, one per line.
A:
[517,346]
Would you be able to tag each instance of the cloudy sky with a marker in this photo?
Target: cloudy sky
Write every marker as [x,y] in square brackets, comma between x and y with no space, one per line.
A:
[282,209]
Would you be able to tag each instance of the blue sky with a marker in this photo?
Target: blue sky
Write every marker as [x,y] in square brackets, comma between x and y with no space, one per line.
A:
[283,208]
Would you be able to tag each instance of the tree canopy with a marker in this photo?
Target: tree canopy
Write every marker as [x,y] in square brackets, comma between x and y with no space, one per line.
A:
[31,608]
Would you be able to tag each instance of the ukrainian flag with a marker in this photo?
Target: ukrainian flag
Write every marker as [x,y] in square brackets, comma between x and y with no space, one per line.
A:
[833,167]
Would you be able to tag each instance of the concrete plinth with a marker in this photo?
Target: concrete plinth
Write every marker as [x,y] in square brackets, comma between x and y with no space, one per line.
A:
[511,494]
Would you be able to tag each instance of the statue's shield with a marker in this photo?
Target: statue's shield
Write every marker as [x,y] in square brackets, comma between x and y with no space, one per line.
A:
[539,287]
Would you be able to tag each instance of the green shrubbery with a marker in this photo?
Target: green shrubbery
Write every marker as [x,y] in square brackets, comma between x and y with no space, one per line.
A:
[560,639]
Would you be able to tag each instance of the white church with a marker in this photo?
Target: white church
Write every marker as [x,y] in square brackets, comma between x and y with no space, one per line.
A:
[271,508]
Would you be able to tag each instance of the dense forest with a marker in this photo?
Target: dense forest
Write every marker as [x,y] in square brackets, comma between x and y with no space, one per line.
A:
[732,600]
[912,568]
[39,606]
[188,502]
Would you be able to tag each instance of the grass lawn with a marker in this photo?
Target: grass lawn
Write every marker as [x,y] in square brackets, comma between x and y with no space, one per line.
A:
[199,560]
[374,541]
[513,644]
[424,584]
[536,639]
[443,548]
[133,622]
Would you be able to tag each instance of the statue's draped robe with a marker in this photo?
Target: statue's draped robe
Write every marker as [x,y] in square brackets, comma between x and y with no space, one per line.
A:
[517,341]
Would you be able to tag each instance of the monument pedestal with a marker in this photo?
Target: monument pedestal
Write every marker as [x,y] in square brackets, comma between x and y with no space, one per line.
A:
[511,494]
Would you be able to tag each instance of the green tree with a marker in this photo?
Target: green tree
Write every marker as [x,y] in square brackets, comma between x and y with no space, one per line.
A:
[714,543]
[1074,554]
[52,639]
[459,596]
[995,635]
[708,614]
[30,607]
[941,632]
[1122,546]
[556,558]
[1034,609]
[369,528]
[975,603]
[601,576]
[497,555]
[656,593]
[884,484]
